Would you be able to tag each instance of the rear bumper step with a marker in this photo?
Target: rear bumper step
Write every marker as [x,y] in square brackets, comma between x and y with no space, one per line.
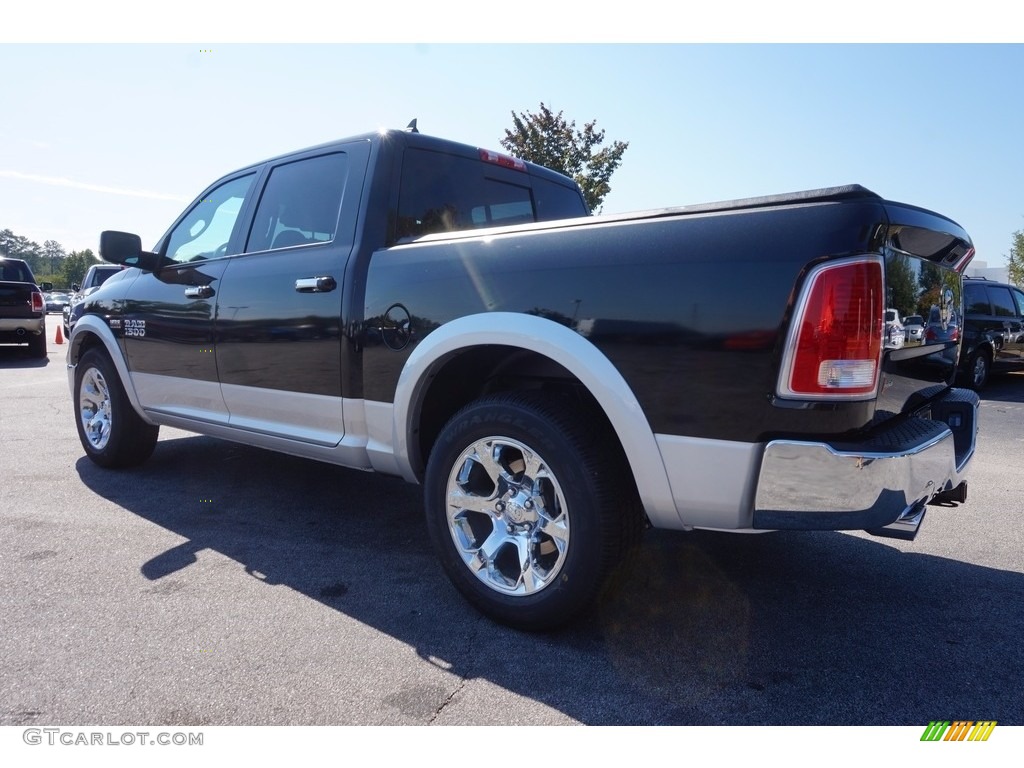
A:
[881,484]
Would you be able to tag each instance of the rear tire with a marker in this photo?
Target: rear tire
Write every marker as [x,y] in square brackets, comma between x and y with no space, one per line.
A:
[528,508]
[978,370]
[112,433]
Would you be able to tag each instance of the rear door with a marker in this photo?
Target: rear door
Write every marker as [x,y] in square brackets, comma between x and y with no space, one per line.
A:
[1005,322]
[279,331]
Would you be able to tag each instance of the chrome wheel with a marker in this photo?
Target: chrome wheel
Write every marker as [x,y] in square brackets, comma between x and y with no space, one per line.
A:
[979,371]
[528,506]
[94,408]
[507,516]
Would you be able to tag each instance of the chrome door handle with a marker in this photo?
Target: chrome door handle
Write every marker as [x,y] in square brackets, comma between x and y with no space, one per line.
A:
[198,292]
[315,284]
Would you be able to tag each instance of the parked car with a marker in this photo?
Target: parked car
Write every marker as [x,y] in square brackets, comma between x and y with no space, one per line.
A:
[56,301]
[993,330]
[913,327]
[377,303]
[94,278]
[22,307]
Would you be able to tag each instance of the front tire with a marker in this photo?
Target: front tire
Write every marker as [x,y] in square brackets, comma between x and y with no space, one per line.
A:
[112,433]
[528,508]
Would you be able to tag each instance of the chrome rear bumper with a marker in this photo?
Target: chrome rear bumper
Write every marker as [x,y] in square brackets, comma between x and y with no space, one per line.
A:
[881,484]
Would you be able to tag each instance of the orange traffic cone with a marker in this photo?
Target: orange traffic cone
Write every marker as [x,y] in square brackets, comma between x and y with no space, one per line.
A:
[60,337]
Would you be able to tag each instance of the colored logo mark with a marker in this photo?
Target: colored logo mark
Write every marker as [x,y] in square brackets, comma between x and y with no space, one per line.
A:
[958,730]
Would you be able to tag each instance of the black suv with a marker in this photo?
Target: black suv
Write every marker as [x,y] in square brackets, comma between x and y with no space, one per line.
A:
[993,330]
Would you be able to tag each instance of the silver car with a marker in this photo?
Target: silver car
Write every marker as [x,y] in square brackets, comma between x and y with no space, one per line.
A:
[913,327]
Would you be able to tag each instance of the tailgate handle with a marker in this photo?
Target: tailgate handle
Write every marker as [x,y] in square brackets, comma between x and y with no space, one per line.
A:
[315,284]
[198,292]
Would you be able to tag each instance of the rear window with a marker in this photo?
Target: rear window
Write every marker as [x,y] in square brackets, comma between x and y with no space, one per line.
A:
[446,193]
[15,272]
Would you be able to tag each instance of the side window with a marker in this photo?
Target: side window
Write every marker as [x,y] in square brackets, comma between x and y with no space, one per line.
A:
[975,300]
[300,204]
[1002,303]
[1019,298]
[205,232]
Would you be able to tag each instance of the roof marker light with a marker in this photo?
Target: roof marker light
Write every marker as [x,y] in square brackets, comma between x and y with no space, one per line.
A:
[505,161]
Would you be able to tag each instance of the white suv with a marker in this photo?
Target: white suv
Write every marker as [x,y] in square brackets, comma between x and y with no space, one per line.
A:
[894,333]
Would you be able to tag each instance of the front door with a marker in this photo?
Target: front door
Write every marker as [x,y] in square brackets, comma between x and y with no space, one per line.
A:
[167,324]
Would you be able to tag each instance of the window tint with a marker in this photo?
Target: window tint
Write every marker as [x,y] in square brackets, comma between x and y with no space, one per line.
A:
[557,202]
[1019,298]
[975,299]
[15,272]
[300,204]
[102,275]
[1002,302]
[204,233]
[505,204]
[445,193]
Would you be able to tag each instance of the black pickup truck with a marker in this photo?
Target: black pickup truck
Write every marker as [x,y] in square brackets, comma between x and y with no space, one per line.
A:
[22,307]
[409,305]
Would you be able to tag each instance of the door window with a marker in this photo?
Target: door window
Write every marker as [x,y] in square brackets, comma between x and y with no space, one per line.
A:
[976,300]
[1019,298]
[300,204]
[205,233]
[1002,304]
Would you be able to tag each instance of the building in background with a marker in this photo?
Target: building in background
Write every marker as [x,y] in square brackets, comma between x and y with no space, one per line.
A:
[982,269]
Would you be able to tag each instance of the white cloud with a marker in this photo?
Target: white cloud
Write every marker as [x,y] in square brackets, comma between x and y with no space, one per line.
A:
[56,181]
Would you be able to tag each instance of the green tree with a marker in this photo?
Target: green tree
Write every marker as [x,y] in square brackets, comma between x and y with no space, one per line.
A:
[52,252]
[902,285]
[548,139]
[1015,261]
[76,264]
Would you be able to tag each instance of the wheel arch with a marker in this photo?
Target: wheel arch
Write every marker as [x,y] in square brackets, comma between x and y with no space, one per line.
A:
[548,351]
[89,333]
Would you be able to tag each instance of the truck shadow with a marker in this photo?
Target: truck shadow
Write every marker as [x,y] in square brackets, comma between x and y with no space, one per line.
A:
[1007,388]
[700,628]
[17,356]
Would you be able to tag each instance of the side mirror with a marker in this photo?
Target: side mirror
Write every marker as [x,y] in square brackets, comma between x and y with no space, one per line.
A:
[76,287]
[126,248]
[46,286]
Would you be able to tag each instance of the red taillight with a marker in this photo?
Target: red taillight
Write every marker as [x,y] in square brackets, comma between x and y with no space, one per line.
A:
[38,305]
[835,345]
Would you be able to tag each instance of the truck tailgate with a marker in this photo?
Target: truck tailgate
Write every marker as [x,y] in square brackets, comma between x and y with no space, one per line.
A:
[925,256]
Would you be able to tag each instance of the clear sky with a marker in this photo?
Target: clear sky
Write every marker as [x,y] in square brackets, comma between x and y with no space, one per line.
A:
[123,136]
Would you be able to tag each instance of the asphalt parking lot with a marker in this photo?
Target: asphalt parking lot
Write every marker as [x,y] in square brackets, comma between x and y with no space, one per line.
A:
[223,585]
